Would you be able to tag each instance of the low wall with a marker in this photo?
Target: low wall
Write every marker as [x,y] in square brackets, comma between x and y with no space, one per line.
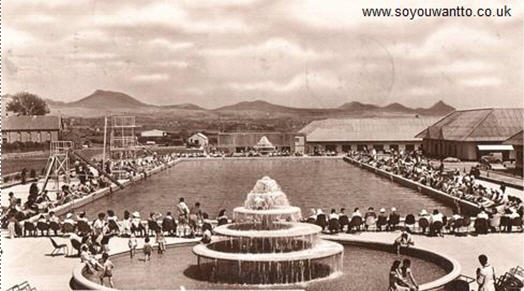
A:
[466,206]
[447,263]
[450,265]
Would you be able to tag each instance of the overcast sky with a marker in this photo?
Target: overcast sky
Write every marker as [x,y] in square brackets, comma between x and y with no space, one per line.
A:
[305,53]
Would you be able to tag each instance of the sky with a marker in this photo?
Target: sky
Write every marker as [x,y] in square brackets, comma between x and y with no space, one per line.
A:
[302,53]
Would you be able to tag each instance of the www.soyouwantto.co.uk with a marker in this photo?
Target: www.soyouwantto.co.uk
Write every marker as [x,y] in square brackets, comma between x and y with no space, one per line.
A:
[458,11]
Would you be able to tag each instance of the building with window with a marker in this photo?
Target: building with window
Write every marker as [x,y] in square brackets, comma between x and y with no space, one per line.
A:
[37,128]
[470,134]
[198,139]
[382,134]
[516,141]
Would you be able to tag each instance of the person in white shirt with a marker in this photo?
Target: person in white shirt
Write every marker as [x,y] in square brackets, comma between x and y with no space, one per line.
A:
[485,275]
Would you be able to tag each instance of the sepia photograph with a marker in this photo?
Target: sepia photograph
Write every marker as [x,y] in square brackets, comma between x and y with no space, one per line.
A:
[262,145]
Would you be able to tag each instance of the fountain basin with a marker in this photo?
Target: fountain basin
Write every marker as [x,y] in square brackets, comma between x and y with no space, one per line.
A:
[287,213]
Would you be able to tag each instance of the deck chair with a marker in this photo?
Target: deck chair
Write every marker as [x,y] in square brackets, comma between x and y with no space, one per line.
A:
[356,223]
[481,226]
[83,227]
[393,221]
[113,226]
[456,225]
[55,227]
[68,228]
[321,221]
[343,221]
[57,247]
[152,226]
[466,223]
[436,228]
[517,222]
[381,222]
[423,224]
[409,221]
[334,225]
[505,223]
[169,225]
[29,227]
[42,227]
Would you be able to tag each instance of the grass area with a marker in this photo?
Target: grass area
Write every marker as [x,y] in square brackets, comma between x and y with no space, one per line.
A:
[16,165]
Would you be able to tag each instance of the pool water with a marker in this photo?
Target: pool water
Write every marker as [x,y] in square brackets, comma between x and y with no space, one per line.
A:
[364,269]
[307,182]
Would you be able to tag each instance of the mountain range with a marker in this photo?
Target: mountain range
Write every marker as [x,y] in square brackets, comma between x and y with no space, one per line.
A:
[102,102]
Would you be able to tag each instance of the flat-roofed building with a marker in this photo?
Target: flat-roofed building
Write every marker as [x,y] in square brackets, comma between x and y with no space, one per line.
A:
[470,134]
[382,134]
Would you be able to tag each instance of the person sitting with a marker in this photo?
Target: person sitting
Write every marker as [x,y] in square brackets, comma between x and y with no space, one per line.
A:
[396,282]
[394,219]
[206,236]
[312,217]
[370,218]
[423,220]
[99,223]
[168,224]
[481,222]
[87,258]
[494,220]
[404,240]
[321,219]
[136,224]
[437,222]
[382,219]
[112,221]
[222,217]
[407,275]
[343,219]
[126,225]
[334,224]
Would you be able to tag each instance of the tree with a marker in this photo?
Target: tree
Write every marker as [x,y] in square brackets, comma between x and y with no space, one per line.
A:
[25,103]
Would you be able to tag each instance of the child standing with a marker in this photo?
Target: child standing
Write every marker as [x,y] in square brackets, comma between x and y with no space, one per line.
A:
[107,267]
[161,241]
[132,243]
[148,249]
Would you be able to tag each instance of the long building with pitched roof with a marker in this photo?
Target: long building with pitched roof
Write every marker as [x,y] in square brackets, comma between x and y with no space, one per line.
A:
[382,134]
[469,134]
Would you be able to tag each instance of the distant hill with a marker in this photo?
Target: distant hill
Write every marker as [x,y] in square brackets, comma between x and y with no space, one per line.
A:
[108,99]
[438,109]
[357,106]
[103,102]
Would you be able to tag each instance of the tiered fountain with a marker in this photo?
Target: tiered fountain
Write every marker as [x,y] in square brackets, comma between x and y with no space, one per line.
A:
[267,245]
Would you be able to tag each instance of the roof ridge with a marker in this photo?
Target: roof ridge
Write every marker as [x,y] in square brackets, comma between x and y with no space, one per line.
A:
[473,128]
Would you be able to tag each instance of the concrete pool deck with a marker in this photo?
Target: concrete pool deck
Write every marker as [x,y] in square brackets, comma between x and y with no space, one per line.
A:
[25,259]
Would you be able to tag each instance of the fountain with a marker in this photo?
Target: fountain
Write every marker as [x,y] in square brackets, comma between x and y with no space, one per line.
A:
[267,245]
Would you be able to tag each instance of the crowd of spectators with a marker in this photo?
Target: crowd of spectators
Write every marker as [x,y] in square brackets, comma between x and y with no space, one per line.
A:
[414,166]
[84,179]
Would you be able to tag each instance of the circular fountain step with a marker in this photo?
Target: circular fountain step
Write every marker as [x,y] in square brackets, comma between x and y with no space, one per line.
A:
[322,249]
[280,229]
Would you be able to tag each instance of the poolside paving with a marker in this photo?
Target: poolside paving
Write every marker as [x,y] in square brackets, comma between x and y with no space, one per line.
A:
[25,259]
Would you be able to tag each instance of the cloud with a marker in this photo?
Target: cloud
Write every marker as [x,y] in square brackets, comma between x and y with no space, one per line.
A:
[482,82]
[292,52]
[150,78]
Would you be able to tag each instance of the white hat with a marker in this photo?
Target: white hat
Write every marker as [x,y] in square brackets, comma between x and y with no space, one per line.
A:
[136,214]
[69,215]
[382,210]
[319,211]
[393,209]
[423,212]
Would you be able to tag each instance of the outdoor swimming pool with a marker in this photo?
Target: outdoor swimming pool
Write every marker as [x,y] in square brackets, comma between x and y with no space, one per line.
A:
[308,182]
[364,269]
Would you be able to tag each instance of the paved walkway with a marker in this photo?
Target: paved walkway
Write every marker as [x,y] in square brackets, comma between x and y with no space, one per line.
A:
[25,259]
